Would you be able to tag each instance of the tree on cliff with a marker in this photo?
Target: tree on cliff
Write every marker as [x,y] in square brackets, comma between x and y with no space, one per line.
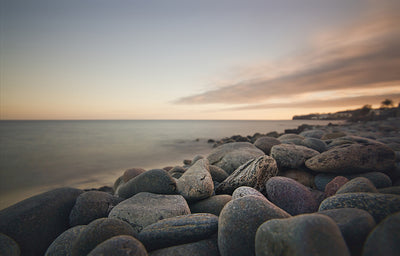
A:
[387,103]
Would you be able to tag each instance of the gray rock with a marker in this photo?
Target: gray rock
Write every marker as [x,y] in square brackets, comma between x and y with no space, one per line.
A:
[359,184]
[35,222]
[8,247]
[333,135]
[132,173]
[266,143]
[177,172]
[254,173]
[62,246]
[301,176]
[97,232]
[308,234]
[92,205]
[354,224]
[117,183]
[154,181]
[379,179]
[317,134]
[246,191]
[146,208]
[291,156]
[211,205]
[238,223]
[120,246]
[207,247]
[196,183]
[197,158]
[390,190]
[290,136]
[384,239]
[291,196]
[232,155]
[378,205]
[353,158]
[179,230]
[315,144]
[218,174]
[345,140]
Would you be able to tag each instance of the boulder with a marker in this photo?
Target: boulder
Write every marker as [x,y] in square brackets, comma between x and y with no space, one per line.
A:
[196,183]
[35,222]
[179,230]
[211,205]
[307,234]
[207,247]
[146,208]
[291,156]
[378,205]
[359,184]
[62,245]
[97,232]
[232,155]
[266,143]
[246,191]
[238,223]
[92,205]
[254,173]
[154,181]
[8,247]
[334,185]
[122,245]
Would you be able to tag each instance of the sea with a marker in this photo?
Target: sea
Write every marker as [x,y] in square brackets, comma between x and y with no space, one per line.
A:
[36,156]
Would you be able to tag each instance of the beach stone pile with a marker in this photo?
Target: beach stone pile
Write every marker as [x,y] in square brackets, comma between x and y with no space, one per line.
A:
[325,190]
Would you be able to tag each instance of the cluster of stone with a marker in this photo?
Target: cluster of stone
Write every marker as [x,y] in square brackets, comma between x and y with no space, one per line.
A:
[332,190]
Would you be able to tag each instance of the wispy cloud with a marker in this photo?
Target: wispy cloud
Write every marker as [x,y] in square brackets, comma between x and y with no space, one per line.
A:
[362,56]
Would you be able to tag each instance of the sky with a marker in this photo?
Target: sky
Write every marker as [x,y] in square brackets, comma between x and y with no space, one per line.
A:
[184,59]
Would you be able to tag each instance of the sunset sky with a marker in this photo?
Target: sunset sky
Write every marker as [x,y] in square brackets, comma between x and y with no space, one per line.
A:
[209,59]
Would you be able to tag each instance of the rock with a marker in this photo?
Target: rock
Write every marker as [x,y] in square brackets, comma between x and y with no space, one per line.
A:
[211,205]
[62,245]
[384,239]
[132,173]
[353,140]
[35,222]
[238,223]
[354,158]
[315,144]
[187,162]
[378,205]
[154,181]
[146,208]
[254,173]
[179,230]
[290,136]
[303,177]
[196,183]
[90,206]
[291,156]
[354,224]
[379,179]
[120,246]
[207,247]
[232,155]
[266,143]
[334,185]
[218,174]
[291,196]
[317,134]
[99,231]
[117,183]
[308,234]
[359,184]
[390,190]
[333,135]
[8,247]
[197,158]
[246,191]
[177,172]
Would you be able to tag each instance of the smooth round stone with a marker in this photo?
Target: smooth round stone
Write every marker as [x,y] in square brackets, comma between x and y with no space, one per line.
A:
[197,158]
[155,181]
[120,246]
[354,224]
[384,239]
[333,135]
[266,143]
[62,246]
[293,141]
[291,156]
[291,196]
[353,158]
[8,247]
[232,155]
[132,173]
[177,172]
[315,144]
[290,136]
[238,223]
[359,184]
[308,234]
[118,183]
[196,183]
[97,232]
[334,185]
[246,191]
[218,174]
[179,230]
[378,205]
[35,222]
[301,176]
[379,179]
[317,134]
[90,206]
[353,140]
[146,208]
[207,247]
[390,190]
[211,205]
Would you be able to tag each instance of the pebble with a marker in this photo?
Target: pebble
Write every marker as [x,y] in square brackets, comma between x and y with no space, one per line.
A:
[211,205]
[390,190]
[315,144]
[317,134]
[122,245]
[334,185]
[301,176]
[8,247]
[132,173]
[246,191]
[359,184]
[62,245]
[266,143]
[218,174]
[291,156]
[290,136]
[208,247]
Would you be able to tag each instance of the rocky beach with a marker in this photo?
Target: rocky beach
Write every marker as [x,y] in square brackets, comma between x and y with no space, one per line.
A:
[314,190]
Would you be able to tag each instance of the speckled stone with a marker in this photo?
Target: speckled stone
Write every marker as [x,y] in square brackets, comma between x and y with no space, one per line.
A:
[62,246]
[119,246]
[379,179]
[291,156]
[359,184]
[246,191]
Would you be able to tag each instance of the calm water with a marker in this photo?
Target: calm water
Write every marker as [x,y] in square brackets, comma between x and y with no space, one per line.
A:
[39,155]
